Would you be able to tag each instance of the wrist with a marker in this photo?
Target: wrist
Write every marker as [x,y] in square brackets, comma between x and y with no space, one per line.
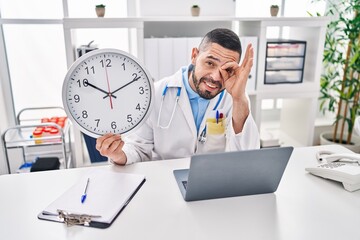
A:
[121,159]
[241,100]
[240,113]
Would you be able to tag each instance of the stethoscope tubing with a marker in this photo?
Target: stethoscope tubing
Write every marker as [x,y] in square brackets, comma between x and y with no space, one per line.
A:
[174,108]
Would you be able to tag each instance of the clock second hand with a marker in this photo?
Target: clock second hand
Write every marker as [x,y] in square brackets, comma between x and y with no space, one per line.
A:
[108,84]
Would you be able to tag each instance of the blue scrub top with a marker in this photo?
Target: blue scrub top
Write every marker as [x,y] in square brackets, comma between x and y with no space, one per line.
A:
[198,104]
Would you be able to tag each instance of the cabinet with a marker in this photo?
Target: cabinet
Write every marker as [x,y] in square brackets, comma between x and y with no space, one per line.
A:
[295,125]
[284,61]
[23,140]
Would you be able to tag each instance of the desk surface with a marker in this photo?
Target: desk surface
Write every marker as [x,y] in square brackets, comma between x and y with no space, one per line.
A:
[303,207]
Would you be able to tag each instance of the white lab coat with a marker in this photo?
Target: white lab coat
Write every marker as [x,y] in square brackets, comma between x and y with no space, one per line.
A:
[181,139]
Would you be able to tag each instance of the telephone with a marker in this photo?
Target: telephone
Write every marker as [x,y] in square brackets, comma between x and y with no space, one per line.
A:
[343,167]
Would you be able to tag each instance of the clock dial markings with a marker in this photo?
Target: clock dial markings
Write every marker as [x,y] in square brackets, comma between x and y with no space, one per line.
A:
[137,94]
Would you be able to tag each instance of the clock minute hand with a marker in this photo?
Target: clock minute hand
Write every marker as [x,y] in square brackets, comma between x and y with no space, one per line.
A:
[101,90]
[112,93]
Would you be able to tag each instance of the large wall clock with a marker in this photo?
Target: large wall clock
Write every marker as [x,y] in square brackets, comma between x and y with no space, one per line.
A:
[107,91]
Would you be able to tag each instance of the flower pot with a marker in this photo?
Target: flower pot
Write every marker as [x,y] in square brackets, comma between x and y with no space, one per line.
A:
[100,11]
[274,11]
[326,139]
[195,11]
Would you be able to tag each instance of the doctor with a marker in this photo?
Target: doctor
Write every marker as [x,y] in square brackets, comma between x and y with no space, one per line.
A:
[201,108]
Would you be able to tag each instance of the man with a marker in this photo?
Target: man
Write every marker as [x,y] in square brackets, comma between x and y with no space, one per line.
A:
[201,108]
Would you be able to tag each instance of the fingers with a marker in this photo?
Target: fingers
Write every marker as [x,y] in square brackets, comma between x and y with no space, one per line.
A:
[224,74]
[114,148]
[249,57]
[109,144]
[227,70]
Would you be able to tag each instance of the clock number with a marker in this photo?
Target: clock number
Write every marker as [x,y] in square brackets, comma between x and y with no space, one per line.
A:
[123,66]
[84,114]
[77,98]
[97,122]
[129,118]
[141,90]
[135,77]
[92,70]
[138,107]
[113,125]
[85,83]
[107,63]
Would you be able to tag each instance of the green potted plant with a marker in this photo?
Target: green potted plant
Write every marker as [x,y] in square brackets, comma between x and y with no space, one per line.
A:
[195,10]
[340,81]
[100,10]
[274,10]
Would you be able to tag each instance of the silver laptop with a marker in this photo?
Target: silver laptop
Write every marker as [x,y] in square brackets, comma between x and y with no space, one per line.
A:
[230,174]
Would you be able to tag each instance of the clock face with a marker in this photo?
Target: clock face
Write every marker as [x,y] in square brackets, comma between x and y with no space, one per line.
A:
[107,91]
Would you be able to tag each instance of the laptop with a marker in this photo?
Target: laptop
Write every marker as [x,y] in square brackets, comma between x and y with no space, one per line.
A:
[230,174]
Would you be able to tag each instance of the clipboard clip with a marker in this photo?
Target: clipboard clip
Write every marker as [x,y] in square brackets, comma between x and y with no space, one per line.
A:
[71,219]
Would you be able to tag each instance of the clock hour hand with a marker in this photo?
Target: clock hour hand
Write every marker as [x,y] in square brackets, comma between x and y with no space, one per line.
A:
[101,90]
[112,93]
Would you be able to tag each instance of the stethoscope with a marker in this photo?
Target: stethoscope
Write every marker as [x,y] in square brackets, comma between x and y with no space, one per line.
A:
[174,109]
[202,137]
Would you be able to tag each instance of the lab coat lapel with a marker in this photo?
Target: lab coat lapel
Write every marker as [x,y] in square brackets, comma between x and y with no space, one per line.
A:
[184,102]
[185,106]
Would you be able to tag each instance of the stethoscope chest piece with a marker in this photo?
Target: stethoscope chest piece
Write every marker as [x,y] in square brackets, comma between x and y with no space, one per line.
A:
[202,138]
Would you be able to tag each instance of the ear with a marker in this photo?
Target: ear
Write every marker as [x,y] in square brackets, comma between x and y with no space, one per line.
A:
[194,54]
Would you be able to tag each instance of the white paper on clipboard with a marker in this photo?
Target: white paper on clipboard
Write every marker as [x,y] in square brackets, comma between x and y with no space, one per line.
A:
[107,194]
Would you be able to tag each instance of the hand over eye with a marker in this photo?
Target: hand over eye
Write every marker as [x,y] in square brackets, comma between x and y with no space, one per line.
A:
[235,76]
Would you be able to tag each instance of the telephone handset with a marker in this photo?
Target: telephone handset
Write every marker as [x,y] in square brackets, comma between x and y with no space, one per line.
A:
[341,167]
[333,157]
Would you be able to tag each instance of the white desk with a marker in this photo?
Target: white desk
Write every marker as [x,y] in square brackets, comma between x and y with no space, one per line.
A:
[304,207]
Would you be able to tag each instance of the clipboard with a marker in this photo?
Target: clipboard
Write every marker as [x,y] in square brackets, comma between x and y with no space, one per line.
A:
[108,193]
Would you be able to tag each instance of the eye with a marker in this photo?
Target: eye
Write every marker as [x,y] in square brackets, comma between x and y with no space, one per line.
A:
[229,71]
[209,63]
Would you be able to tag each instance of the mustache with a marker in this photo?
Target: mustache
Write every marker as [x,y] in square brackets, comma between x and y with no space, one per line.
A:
[212,81]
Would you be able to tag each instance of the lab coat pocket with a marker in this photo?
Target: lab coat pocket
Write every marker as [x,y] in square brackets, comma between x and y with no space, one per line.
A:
[215,139]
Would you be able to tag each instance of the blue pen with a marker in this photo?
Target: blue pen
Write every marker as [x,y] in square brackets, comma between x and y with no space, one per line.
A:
[83,197]
[217,116]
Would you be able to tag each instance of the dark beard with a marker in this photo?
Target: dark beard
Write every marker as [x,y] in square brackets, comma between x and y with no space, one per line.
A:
[204,94]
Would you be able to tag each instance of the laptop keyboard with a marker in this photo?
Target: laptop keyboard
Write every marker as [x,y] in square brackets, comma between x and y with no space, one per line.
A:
[184,183]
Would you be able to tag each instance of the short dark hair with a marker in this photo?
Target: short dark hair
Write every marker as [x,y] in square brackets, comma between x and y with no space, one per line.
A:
[224,37]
